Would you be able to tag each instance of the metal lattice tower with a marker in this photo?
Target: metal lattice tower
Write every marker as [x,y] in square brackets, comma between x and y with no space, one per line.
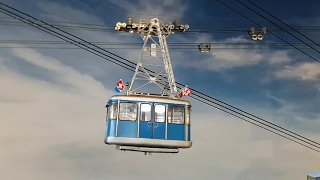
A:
[154,55]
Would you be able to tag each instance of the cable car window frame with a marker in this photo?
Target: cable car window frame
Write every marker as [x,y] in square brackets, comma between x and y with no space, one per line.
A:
[132,115]
[142,118]
[112,110]
[107,113]
[188,115]
[164,113]
[182,116]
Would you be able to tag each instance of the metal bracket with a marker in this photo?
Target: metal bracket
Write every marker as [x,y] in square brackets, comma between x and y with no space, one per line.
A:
[204,48]
[257,35]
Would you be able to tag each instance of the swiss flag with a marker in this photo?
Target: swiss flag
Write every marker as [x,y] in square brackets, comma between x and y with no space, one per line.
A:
[186,91]
[120,85]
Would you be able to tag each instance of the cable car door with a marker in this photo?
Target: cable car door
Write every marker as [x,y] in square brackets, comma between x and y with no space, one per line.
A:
[152,121]
[159,121]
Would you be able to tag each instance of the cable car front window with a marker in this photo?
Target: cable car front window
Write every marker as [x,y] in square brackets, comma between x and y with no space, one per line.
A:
[176,114]
[160,112]
[145,112]
[113,110]
[128,111]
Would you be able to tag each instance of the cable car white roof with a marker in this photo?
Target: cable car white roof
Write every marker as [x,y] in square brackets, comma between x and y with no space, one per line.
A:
[150,98]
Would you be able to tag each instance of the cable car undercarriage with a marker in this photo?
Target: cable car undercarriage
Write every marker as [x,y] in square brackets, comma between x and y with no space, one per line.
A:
[147,150]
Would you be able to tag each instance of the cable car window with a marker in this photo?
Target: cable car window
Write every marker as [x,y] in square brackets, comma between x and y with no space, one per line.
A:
[113,110]
[128,111]
[145,112]
[176,114]
[160,113]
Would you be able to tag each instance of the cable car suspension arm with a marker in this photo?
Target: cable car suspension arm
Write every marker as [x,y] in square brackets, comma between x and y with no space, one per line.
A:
[149,30]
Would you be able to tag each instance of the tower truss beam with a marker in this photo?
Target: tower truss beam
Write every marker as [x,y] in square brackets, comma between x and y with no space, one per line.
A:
[154,54]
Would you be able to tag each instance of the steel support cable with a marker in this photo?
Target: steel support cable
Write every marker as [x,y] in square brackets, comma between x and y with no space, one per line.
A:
[259,119]
[257,125]
[279,26]
[117,47]
[127,47]
[66,39]
[134,63]
[214,45]
[3,19]
[249,114]
[135,47]
[139,44]
[68,27]
[180,48]
[283,23]
[312,28]
[268,31]
[192,30]
[109,47]
[242,110]
[60,30]
[264,124]
[109,56]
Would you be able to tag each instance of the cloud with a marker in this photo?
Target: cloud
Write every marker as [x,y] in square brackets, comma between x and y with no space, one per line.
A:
[143,9]
[80,59]
[304,71]
[62,73]
[223,57]
[279,57]
[42,118]
[56,12]
[234,58]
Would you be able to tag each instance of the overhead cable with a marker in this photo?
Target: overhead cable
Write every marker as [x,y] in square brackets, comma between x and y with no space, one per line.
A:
[203,96]
[268,31]
[280,26]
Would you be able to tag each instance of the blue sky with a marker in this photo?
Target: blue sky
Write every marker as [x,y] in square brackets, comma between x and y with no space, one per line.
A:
[62,93]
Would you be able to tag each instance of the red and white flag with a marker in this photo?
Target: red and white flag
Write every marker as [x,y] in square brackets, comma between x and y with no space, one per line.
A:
[120,86]
[186,91]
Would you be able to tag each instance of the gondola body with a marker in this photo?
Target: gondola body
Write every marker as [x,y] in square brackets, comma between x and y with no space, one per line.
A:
[148,123]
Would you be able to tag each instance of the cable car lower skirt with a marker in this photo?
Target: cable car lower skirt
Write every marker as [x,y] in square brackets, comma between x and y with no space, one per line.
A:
[143,142]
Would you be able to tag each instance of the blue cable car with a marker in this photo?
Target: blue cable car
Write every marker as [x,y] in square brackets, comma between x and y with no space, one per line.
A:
[148,123]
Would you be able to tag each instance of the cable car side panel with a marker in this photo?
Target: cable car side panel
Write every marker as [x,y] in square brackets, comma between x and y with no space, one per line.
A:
[159,130]
[127,129]
[111,128]
[145,130]
[189,133]
[176,132]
